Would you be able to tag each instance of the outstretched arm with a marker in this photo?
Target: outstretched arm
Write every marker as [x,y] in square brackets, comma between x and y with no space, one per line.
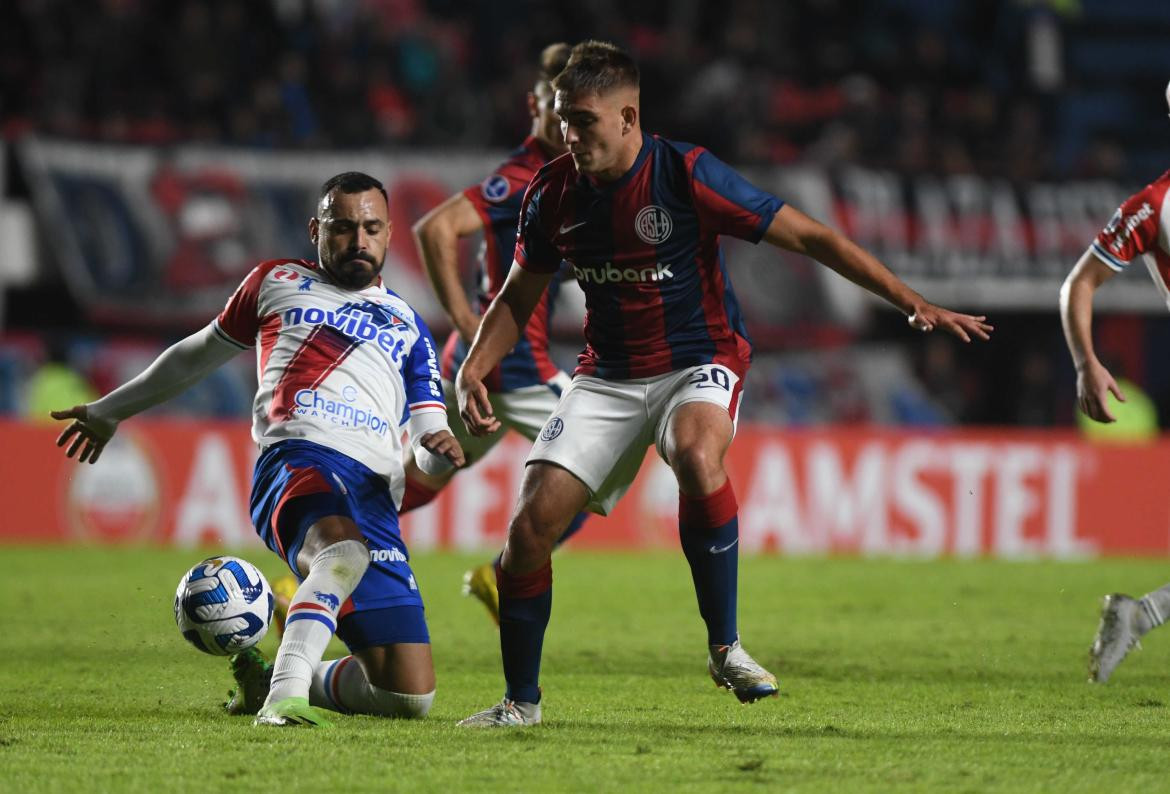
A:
[178,367]
[1076,315]
[794,231]
[498,333]
[437,237]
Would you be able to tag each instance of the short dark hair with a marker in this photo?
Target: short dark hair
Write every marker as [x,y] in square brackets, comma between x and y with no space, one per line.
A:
[352,182]
[553,59]
[597,67]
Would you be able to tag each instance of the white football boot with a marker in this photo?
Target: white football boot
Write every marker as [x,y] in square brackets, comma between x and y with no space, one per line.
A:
[731,668]
[1118,633]
[505,714]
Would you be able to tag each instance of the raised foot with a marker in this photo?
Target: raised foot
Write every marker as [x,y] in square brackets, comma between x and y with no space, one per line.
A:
[732,668]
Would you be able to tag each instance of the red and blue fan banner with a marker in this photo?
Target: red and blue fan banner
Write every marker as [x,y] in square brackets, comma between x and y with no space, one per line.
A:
[162,236]
[854,491]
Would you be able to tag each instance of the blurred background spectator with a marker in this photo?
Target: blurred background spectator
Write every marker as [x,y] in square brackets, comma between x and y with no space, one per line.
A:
[1023,92]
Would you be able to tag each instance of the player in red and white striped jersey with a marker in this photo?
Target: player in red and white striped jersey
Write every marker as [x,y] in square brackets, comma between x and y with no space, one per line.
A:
[343,364]
[1140,227]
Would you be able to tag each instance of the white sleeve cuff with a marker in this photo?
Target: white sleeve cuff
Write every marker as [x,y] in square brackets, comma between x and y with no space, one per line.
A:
[1109,259]
[420,424]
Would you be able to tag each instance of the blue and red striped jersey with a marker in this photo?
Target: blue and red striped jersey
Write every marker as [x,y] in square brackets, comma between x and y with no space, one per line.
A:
[645,249]
[497,200]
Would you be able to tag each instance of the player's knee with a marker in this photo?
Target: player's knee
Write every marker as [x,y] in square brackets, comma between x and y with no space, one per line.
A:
[399,704]
[347,560]
[699,470]
[531,534]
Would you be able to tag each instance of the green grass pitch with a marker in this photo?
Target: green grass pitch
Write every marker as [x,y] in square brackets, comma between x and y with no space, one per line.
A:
[917,676]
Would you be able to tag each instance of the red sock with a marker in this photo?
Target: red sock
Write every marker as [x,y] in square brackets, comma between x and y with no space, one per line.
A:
[710,511]
[523,585]
[416,496]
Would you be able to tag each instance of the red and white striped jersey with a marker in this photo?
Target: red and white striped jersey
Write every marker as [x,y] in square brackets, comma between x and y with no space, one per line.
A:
[1140,226]
[341,368]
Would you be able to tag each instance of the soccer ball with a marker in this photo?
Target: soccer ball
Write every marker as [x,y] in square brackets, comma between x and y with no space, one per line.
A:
[223,605]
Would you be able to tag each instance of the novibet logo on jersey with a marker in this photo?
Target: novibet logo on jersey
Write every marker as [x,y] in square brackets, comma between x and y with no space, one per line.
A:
[356,323]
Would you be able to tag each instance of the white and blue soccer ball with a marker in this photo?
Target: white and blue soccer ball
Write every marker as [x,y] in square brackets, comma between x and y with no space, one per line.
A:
[223,605]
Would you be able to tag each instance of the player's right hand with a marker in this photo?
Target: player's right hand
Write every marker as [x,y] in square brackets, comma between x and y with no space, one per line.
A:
[965,326]
[475,409]
[1094,383]
[92,433]
[444,445]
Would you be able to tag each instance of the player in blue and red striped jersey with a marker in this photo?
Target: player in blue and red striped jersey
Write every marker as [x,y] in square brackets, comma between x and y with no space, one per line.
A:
[344,365]
[638,218]
[526,385]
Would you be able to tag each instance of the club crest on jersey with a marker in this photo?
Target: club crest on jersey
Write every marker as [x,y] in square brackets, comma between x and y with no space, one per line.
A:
[494,188]
[653,224]
[552,429]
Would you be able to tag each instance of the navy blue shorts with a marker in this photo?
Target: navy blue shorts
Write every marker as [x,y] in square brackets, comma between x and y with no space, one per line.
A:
[297,483]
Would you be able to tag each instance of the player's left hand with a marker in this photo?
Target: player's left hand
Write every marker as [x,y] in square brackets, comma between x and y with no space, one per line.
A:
[92,433]
[929,317]
[442,443]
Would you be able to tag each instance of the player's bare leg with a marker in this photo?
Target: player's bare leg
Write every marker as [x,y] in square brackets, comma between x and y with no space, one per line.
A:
[696,440]
[393,680]
[549,498]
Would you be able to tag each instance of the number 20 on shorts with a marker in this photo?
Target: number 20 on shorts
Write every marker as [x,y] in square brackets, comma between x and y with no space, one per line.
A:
[710,378]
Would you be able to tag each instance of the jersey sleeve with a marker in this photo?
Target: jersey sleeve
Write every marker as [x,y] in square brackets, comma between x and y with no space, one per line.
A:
[239,322]
[498,195]
[420,376]
[534,250]
[726,202]
[1134,228]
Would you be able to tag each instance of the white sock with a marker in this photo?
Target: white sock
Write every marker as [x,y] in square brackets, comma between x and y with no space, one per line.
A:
[312,616]
[1155,608]
[341,685]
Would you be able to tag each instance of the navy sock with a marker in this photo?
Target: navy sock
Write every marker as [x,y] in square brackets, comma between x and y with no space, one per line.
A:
[525,606]
[709,531]
[571,530]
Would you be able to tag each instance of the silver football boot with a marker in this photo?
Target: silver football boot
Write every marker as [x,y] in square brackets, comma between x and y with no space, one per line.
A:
[1118,633]
[732,668]
[505,714]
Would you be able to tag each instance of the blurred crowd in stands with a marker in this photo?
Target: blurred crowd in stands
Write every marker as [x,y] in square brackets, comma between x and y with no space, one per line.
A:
[1022,88]
[1019,89]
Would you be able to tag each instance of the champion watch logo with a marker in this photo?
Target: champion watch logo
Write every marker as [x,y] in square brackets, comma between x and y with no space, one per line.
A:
[653,224]
[552,429]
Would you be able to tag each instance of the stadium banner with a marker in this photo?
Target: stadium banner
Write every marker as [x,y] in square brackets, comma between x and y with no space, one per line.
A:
[1009,494]
[160,236]
[967,241]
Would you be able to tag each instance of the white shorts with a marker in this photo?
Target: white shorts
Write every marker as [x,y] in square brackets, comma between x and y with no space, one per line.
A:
[523,410]
[600,430]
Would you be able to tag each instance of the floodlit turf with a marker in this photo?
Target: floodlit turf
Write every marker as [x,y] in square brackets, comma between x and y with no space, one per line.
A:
[956,676]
